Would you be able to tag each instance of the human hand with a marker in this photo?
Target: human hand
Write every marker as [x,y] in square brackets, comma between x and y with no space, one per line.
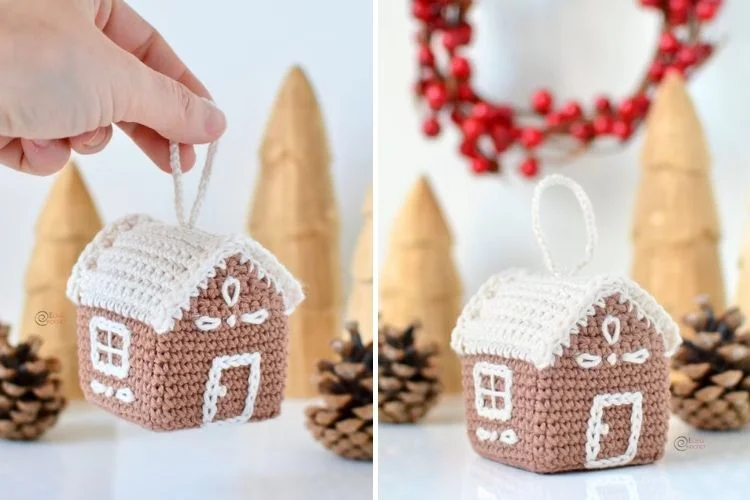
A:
[72,68]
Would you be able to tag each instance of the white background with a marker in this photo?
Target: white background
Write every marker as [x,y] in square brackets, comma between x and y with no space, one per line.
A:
[241,51]
[579,48]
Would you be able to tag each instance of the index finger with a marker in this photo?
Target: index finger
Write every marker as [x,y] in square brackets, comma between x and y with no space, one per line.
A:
[134,34]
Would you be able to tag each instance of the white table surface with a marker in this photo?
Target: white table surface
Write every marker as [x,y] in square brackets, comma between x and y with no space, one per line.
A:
[91,455]
[434,461]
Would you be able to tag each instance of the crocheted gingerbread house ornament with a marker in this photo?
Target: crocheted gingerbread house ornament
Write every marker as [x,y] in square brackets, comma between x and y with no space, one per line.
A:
[180,328]
[563,372]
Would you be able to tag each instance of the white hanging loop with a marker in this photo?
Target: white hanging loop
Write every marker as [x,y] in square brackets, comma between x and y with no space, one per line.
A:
[588,217]
[176,166]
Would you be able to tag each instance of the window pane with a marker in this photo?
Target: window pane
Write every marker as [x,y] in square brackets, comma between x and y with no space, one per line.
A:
[116,360]
[116,341]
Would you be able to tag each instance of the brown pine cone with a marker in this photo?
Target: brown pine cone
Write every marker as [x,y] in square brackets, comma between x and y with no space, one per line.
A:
[710,380]
[408,383]
[30,395]
[344,422]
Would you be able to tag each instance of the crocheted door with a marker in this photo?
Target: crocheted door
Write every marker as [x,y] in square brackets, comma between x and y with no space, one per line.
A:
[228,373]
[614,411]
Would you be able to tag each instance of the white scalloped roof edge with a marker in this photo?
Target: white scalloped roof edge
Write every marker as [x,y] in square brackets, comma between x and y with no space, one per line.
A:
[474,334]
[82,286]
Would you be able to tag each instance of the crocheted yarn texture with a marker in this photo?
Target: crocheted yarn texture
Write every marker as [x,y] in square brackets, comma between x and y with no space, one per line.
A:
[178,328]
[565,373]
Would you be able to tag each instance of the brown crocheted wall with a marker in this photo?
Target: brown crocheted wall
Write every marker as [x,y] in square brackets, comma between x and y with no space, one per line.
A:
[552,407]
[168,372]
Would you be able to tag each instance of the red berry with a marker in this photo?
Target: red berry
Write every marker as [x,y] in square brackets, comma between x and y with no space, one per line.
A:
[472,128]
[468,148]
[571,110]
[642,103]
[423,10]
[465,93]
[706,10]
[602,104]
[541,101]
[582,131]
[504,115]
[531,137]
[553,119]
[678,11]
[482,111]
[431,127]
[530,167]
[651,3]
[602,125]
[480,165]
[451,40]
[457,116]
[687,56]
[668,43]
[426,57]
[502,138]
[436,95]
[627,109]
[460,68]
[463,31]
[656,71]
[622,129]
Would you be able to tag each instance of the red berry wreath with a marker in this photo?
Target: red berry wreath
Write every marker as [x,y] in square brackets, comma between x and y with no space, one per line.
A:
[490,129]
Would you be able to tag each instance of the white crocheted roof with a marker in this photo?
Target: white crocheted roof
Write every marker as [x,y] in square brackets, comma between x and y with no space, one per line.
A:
[147,270]
[517,314]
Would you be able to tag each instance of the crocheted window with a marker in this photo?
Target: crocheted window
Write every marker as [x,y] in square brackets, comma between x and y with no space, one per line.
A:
[110,345]
[492,390]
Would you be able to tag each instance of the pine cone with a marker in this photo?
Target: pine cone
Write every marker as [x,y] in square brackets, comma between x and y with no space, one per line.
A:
[30,395]
[408,381]
[710,380]
[344,423]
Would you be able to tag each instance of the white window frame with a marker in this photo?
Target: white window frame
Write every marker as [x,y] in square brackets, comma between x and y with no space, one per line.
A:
[493,371]
[100,323]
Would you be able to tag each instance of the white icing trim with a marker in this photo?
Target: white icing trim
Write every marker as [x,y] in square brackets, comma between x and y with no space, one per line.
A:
[207,323]
[531,317]
[612,358]
[231,297]
[509,436]
[125,395]
[485,435]
[493,371]
[214,389]
[100,323]
[586,360]
[612,337]
[256,317]
[98,387]
[150,271]
[232,321]
[596,428]
[639,357]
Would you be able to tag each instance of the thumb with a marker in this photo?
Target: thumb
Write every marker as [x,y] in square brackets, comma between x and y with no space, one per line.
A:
[171,109]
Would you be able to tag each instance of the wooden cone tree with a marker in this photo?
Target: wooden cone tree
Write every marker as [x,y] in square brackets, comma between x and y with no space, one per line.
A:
[68,222]
[360,298]
[294,215]
[742,294]
[419,281]
[676,230]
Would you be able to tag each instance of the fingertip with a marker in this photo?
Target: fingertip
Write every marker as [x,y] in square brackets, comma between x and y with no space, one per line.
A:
[92,142]
[44,157]
[216,121]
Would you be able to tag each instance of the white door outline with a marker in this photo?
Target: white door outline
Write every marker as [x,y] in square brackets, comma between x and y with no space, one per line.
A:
[214,389]
[597,428]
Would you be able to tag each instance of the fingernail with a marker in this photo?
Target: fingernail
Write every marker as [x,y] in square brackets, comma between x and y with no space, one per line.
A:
[41,144]
[96,139]
[216,122]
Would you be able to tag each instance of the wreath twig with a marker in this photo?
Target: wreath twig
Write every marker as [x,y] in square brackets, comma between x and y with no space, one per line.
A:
[490,129]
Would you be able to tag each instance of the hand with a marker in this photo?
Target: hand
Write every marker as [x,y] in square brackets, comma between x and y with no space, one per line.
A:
[72,68]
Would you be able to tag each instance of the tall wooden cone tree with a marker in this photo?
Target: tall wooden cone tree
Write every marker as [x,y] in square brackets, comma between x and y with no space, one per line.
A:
[676,229]
[294,215]
[68,222]
[419,281]
[742,294]
[360,298]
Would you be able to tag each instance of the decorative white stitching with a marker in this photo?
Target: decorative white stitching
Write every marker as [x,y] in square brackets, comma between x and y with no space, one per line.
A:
[232,321]
[639,357]
[124,394]
[612,337]
[207,323]
[485,435]
[230,290]
[596,428]
[215,390]
[256,317]
[612,358]
[97,348]
[586,360]
[509,436]
[493,371]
